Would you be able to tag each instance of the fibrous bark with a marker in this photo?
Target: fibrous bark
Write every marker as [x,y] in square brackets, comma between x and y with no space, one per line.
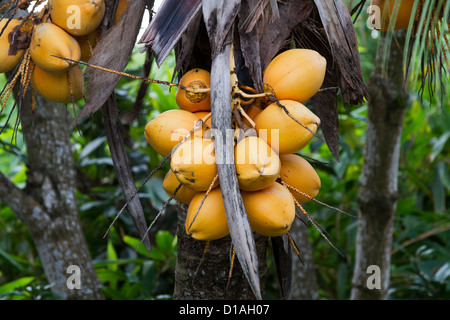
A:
[203,275]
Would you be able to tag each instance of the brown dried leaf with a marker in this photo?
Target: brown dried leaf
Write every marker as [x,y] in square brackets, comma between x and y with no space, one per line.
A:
[274,34]
[169,24]
[219,18]
[341,36]
[112,52]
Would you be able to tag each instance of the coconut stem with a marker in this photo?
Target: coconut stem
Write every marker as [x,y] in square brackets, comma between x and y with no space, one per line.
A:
[315,200]
[295,247]
[317,226]
[163,209]
[233,256]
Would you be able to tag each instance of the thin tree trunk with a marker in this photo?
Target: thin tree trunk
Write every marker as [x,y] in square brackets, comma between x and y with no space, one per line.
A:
[304,279]
[379,191]
[47,206]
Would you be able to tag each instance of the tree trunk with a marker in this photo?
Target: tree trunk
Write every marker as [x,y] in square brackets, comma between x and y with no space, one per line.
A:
[378,191]
[47,206]
[200,276]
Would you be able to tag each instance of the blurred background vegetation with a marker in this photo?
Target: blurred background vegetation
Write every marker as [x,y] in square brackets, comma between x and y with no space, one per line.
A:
[421,244]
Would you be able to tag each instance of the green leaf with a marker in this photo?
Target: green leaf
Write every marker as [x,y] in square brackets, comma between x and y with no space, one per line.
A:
[112,255]
[438,145]
[11,260]
[11,286]
[92,146]
[134,243]
[164,240]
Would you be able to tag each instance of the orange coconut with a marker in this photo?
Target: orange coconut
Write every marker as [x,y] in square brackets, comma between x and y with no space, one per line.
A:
[386,13]
[77,17]
[295,74]
[171,183]
[257,164]
[49,40]
[166,130]
[281,132]
[211,221]
[87,44]
[300,174]
[193,102]
[8,62]
[56,86]
[270,211]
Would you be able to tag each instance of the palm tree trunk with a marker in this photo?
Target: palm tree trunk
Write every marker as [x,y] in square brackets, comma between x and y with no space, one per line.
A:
[379,191]
[201,274]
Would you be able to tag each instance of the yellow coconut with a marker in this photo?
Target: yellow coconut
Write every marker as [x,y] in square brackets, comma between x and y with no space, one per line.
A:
[122,6]
[300,174]
[87,44]
[49,40]
[171,183]
[386,12]
[281,132]
[270,211]
[193,102]
[166,130]
[295,74]
[211,222]
[194,164]
[77,17]
[56,86]
[8,62]
[257,164]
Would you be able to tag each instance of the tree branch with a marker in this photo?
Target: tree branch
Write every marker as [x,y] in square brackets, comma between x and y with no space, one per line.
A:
[21,203]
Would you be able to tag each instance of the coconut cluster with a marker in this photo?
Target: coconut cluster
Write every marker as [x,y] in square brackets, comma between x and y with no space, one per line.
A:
[61,34]
[272,178]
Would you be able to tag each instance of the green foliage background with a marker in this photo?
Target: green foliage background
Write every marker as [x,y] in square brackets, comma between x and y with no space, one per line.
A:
[421,244]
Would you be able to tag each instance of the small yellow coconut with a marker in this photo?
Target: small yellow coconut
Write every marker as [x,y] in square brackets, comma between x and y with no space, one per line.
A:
[87,44]
[281,132]
[270,211]
[166,130]
[194,164]
[295,74]
[8,62]
[49,40]
[193,102]
[171,183]
[211,221]
[56,86]
[300,174]
[77,17]
[257,164]
[383,16]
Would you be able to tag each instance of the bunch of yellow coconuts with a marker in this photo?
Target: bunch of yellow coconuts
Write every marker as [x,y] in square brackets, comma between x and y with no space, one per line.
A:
[272,178]
[63,28]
